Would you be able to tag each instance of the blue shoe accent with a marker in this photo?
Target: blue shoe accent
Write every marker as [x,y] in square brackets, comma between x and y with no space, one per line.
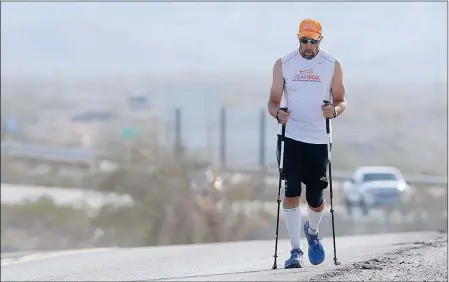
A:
[295,260]
[316,250]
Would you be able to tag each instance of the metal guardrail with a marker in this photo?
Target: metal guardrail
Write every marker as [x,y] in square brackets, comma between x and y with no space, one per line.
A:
[48,153]
[341,175]
[66,154]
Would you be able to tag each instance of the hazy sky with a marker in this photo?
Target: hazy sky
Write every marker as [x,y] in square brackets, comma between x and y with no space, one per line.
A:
[374,41]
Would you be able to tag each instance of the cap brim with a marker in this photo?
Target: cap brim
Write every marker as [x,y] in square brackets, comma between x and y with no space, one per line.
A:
[309,34]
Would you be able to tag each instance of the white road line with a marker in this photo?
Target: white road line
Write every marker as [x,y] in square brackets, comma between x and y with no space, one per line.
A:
[40,256]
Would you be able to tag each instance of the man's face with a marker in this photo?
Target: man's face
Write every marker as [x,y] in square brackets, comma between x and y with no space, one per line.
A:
[309,47]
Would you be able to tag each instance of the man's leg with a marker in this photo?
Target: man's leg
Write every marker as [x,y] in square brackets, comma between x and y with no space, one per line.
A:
[315,215]
[292,212]
[315,184]
[292,217]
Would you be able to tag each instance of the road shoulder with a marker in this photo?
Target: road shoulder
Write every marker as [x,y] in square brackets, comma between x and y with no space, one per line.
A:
[419,261]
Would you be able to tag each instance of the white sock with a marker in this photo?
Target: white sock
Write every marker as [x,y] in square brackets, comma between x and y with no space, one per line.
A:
[314,220]
[293,222]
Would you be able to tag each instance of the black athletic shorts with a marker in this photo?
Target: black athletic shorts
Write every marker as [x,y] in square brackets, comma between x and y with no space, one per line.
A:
[304,163]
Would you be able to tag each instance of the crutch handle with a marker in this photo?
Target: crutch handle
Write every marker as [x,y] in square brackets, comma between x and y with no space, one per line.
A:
[327,103]
[285,109]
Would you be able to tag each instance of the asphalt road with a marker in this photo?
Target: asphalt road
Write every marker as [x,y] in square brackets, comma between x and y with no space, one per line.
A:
[250,260]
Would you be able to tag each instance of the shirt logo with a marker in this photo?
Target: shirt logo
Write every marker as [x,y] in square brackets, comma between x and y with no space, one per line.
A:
[306,75]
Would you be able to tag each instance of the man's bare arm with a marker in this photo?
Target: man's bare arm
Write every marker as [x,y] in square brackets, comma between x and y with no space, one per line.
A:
[277,89]
[338,89]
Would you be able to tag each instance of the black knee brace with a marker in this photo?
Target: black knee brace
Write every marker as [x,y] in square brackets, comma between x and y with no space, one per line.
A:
[314,196]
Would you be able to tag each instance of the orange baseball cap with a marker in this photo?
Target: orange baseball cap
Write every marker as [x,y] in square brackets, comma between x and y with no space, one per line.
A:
[310,28]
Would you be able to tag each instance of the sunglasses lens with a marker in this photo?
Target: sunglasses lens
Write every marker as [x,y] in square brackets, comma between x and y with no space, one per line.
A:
[305,41]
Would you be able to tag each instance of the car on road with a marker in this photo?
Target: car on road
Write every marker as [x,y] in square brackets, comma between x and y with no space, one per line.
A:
[372,187]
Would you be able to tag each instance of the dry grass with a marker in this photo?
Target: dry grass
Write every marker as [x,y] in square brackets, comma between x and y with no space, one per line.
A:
[166,211]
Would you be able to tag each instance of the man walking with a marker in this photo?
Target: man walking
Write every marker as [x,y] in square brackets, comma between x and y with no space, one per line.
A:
[307,76]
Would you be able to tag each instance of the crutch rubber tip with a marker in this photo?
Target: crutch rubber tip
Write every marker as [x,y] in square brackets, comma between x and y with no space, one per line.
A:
[337,262]
[274,267]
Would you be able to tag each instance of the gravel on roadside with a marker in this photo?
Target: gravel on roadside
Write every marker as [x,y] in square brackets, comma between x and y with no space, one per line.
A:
[422,261]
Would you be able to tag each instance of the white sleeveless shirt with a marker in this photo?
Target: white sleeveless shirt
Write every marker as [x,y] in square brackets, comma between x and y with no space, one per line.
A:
[307,84]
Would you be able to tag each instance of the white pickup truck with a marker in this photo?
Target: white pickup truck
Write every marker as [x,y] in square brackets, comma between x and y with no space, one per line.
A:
[375,187]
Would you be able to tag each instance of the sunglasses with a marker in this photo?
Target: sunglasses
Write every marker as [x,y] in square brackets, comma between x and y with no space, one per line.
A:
[311,41]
